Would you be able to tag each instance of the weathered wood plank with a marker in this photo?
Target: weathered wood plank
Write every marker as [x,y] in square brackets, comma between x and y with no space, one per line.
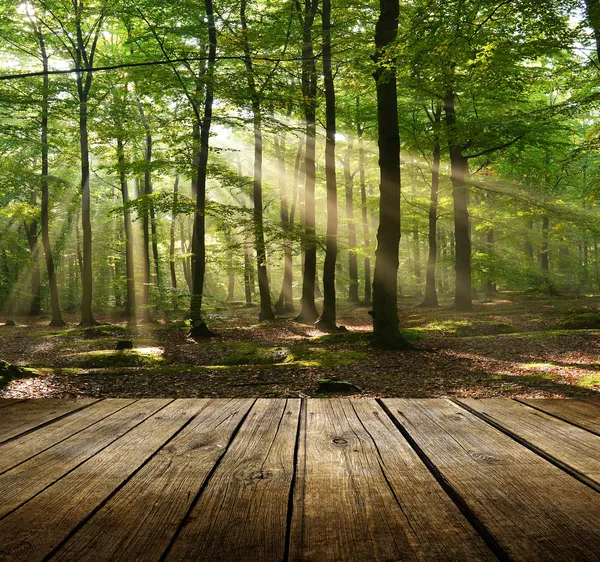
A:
[367,496]
[30,414]
[9,402]
[533,509]
[578,412]
[19,450]
[139,521]
[32,532]
[26,480]
[567,444]
[242,512]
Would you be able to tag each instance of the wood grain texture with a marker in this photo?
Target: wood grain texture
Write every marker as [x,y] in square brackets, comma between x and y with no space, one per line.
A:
[37,528]
[19,450]
[534,510]
[579,412]
[139,521]
[26,480]
[9,402]
[568,444]
[242,513]
[365,495]
[27,415]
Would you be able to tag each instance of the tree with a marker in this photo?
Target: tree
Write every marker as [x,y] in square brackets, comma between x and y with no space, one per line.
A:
[386,332]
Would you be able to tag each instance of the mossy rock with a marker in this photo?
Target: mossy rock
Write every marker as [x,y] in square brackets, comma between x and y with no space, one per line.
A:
[585,321]
[9,372]
[329,386]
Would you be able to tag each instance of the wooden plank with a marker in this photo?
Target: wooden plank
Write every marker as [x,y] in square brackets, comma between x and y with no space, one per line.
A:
[9,402]
[569,446]
[577,412]
[242,513]
[533,509]
[135,524]
[26,480]
[367,496]
[30,414]
[32,532]
[19,450]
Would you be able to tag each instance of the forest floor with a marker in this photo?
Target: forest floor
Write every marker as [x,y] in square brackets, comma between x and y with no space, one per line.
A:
[514,345]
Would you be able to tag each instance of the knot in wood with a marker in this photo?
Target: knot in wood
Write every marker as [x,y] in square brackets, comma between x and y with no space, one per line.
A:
[339,441]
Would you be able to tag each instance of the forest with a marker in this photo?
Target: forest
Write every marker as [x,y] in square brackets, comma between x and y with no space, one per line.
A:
[299,197]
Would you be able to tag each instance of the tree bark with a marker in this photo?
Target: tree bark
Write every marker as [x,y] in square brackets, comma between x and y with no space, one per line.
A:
[199,329]
[130,304]
[459,168]
[593,14]
[327,320]
[386,333]
[35,305]
[57,319]
[308,311]
[266,310]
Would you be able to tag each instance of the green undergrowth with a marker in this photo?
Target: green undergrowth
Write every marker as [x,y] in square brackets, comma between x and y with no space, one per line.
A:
[585,321]
[105,358]
[102,330]
[365,338]
[9,372]
[536,335]
[468,328]
[589,381]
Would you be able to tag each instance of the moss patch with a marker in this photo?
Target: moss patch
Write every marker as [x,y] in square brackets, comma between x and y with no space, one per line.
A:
[9,372]
[586,321]
[590,381]
[328,386]
[104,358]
[248,354]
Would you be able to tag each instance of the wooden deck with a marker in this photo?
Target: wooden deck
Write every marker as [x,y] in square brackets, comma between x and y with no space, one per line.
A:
[314,480]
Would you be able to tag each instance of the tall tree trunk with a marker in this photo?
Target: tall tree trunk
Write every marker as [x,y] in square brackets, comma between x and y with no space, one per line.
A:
[83,60]
[185,262]
[349,192]
[172,244]
[430,299]
[308,311]
[199,328]
[285,303]
[386,333]
[459,166]
[327,320]
[249,283]
[146,304]
[57,319]
[130,305]
[266,311]
[365,214]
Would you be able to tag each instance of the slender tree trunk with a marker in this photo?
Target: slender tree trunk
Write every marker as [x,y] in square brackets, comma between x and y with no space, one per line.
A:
[185,261]
[308,311]
[146,304]
[386,333]
[199,328]
[431,299]
[57,319]
[365,215]
[459,170]
[327,320]
[352,257]
[266,311]
[87,317]
[285,303]
[130,305]
[172,243]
